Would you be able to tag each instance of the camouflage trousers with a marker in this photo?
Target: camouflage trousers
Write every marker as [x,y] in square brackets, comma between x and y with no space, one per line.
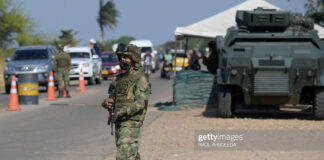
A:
[127,139]
[63,76]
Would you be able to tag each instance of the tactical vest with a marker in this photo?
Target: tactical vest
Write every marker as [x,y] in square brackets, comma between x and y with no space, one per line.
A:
[62,60]
[126,97]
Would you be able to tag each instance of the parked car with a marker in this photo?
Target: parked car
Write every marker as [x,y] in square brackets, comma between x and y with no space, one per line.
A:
[110,65]
[85,58]
[145,45]
[30,59]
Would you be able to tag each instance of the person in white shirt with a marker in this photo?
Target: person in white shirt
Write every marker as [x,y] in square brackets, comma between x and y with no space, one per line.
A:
[67,46]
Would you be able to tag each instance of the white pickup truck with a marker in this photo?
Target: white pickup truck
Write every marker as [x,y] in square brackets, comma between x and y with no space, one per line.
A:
[85,58]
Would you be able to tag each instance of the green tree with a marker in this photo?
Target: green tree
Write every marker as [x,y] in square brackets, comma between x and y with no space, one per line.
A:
[125,39]
[13,23]
[107,17]
[66,37]
[315,10]
[107,45]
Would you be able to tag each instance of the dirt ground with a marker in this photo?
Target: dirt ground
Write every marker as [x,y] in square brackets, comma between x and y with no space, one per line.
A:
[171,137]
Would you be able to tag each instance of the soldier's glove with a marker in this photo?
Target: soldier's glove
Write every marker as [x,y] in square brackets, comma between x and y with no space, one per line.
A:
[107,103]
[118,115]
[103,104]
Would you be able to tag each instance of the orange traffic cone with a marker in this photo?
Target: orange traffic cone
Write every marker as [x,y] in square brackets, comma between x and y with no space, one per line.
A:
[81,82]
[13,100]
[64,91]
[51,89]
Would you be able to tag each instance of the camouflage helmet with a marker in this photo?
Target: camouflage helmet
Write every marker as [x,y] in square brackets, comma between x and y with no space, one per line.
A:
[130,51]
[60,47]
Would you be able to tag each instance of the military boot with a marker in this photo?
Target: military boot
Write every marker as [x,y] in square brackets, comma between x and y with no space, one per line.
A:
[60,95]
[67,94]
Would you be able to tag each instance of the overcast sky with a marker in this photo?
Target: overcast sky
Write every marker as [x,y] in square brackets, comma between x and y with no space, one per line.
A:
[143,19]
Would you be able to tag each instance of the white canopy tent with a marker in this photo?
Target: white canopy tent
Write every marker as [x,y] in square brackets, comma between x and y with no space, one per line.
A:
[218,24]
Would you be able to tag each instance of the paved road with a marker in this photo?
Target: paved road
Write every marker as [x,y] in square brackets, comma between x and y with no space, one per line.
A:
[4,98]
[68,128]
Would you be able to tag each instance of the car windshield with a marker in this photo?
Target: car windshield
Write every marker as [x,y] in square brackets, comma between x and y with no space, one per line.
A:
[79,55]
[30,54]
[109,58]
[144,49]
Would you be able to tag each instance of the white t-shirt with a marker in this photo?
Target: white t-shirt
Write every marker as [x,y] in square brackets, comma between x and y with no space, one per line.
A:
[66,49]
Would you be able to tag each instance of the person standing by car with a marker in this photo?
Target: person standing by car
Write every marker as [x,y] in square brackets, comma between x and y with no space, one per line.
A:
[148,62]
[62,64]
[93,44]
[67,46]
[132,91]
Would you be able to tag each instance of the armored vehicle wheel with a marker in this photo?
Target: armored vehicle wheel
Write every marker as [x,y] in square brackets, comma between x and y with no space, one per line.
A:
[224,100]
[319,104]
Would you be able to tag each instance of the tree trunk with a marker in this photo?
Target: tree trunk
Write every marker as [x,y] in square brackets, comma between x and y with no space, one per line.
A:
[101,36]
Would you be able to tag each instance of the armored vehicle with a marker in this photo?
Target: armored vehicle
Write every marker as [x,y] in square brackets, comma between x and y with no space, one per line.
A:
[270,58]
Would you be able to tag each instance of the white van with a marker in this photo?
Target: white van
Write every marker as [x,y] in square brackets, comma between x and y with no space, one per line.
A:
[144,45]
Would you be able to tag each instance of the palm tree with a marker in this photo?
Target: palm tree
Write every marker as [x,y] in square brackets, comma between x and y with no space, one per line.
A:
[107,17]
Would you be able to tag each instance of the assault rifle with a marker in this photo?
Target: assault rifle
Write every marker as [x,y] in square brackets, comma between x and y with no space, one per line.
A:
[112,113]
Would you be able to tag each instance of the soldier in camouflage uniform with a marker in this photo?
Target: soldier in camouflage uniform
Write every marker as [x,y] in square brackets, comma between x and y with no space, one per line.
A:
[133,91]
[62,64]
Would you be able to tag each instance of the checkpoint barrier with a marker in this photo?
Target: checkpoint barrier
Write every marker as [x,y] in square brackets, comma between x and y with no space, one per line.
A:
[28,89]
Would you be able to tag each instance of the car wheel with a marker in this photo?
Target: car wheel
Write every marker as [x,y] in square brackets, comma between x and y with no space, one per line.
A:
[224,100]
[7,87]
[98,80]
[91,80]
[319,104]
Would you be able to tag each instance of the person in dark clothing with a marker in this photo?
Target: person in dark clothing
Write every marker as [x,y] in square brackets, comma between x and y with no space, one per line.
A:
[212,61]
[94,45]
[194,61]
